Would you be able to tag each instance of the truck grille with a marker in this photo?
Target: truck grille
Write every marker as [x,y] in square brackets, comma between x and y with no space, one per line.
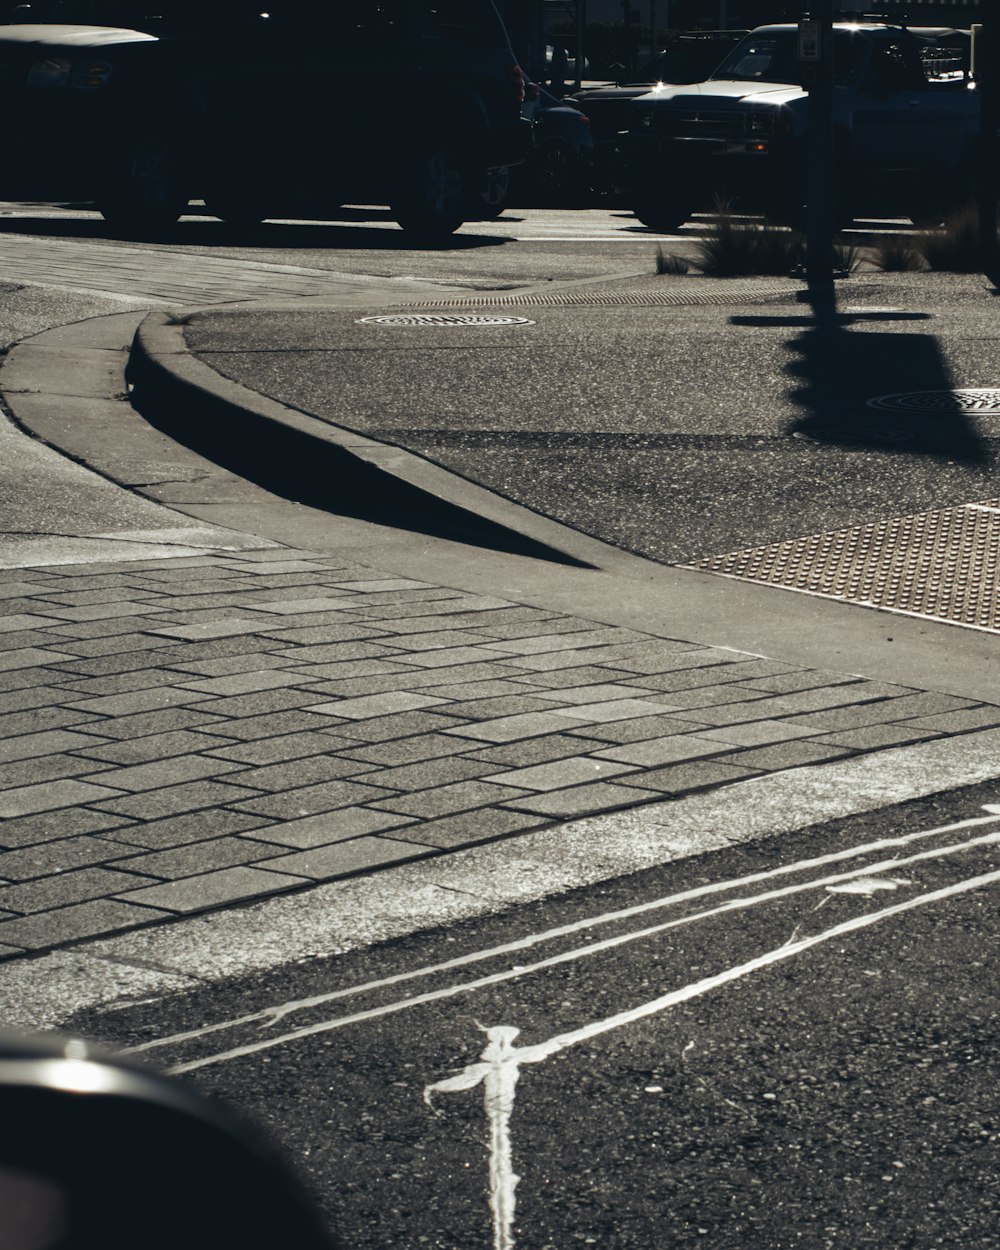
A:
[699,123]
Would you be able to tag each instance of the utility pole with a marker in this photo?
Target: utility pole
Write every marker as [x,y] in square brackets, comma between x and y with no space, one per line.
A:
[816,56]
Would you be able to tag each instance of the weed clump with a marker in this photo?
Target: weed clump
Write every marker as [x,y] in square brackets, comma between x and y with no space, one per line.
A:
[956,247]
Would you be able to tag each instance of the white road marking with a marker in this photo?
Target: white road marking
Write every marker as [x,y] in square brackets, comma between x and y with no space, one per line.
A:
[865,873]
[498,1068]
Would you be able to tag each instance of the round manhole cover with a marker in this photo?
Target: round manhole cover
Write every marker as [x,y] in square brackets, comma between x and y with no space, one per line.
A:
[444,320]
[972,400]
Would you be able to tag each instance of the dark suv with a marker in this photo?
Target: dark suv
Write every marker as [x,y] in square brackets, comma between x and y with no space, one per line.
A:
[281,109]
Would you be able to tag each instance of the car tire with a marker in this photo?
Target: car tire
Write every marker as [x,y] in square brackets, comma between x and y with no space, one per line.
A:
[433,200]
[553,167]
[143,189]
[662,213]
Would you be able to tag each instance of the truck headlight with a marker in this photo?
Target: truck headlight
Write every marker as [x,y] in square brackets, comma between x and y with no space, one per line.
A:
[52,72]
[760,122]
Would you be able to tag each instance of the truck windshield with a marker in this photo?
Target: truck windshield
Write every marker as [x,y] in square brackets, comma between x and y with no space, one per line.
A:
[774,57]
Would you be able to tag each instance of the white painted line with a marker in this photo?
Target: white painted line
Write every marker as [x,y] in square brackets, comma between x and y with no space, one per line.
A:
[865,873]
[351,915]
[498,1068]
[269,1016]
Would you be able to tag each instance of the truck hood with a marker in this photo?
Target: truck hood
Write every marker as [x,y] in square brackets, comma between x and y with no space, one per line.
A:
[54,36]
[724,93]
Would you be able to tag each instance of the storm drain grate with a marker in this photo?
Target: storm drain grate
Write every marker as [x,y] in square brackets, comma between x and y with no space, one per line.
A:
[620,299]
[443,320]
[942,565]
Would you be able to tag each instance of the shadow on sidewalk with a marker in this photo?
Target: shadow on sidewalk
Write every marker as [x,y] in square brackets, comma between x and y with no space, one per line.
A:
[836,374]
[345,232]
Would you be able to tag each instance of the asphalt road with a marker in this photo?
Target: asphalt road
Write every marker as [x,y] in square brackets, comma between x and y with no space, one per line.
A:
[772,1047]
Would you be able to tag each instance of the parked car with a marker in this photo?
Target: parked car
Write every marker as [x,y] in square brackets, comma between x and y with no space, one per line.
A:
[905,128]
[690,56]
[142,107]
[559,167]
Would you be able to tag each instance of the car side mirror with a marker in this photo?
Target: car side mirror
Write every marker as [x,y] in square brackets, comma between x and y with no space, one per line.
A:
[98,1153]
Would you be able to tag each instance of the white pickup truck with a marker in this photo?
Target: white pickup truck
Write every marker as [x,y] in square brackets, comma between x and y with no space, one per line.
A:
[905,126]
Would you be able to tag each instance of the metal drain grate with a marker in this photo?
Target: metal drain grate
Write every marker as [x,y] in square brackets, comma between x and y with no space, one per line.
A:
[971,400]
[942,565]
[734,294]
[443,320]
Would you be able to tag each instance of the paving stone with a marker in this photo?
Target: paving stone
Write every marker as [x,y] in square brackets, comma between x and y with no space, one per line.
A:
[583,800]
[652,752]
[872,737]
[34,771]
[613,709]
[247,683]
[228,665]
[545,642]
[196,826]
[311,800]
[340,858]
[531,628]
[758,733]
[213,629]
[173,800]
[113,646]
[378,705]
[714,695]
[60,823]
[307,771]
[198,857]
[480,825]
[797,679]
[885,711]
[333,826]
[63,888]
[69,924]
[395,753]
[509,728]
[693,775]
[26,800]
[145,723]
[532,751]
[442,801]
[639,728]
[48,742]
[264,751]
[31,657]
[259,703]
[212,889]
[427,774]
[958,721]
[152,747]
[37,720]
[291,606]
[334,652]
[560,774]
[486,689]
[31,697]
[505,705]
[671,656]
[152,699]
[169,772]
[785,755]
[277,724]
[443,638]
[79,688]
[98,611]
[388,679]
[27,678]
[599,692]
[56,857]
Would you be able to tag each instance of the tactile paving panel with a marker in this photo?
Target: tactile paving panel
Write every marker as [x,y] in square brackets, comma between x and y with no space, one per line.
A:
[942,565]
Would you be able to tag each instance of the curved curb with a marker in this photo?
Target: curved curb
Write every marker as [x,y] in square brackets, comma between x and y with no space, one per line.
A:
[186,397]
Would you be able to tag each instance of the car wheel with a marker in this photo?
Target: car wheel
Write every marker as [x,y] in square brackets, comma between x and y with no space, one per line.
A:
[433,201]
[554,167]
[143,188]
[495,196]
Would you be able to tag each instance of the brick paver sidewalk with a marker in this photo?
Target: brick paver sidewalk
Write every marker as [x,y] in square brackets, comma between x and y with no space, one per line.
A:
[185,734]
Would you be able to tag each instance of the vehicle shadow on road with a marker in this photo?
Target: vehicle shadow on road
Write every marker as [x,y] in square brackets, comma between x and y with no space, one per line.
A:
[350,231]
[863,389]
